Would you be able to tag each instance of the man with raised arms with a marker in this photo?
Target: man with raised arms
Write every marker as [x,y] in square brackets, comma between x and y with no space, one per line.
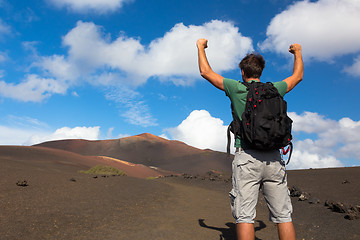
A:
[251,168]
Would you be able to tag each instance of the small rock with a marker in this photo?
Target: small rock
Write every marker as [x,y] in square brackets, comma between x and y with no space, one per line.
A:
[336,206]
[73,179]
[352,214]
[304,196]
[314,200]
[345,182]
[357,208]
[23,183]
[340,207]
[329,203]
[295,192]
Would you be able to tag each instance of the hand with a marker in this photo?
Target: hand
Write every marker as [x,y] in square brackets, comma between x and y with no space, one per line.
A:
[202,43]
[295,48]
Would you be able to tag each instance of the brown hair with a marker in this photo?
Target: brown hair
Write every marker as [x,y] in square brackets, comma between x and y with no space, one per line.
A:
[252,65]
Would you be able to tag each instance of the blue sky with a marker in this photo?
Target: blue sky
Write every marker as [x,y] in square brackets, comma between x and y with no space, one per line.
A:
[114,68]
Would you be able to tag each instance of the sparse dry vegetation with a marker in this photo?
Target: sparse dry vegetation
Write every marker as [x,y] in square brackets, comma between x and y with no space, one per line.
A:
[104,170]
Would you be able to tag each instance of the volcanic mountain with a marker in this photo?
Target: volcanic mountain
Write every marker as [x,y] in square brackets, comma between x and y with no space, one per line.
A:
[60,160]
[149,150]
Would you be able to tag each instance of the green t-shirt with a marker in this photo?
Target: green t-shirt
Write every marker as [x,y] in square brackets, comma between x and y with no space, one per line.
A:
[237,93]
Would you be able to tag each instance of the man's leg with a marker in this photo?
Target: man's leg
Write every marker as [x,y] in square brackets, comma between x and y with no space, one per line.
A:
[244,194]
[276,193]
[245,231]
[286,231]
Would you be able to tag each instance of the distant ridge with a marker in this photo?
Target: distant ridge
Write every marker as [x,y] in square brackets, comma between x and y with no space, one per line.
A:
[55,159]
[149,150]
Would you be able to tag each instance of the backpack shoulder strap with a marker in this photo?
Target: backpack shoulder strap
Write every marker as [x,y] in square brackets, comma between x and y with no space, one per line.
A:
[233,127]
[246,84]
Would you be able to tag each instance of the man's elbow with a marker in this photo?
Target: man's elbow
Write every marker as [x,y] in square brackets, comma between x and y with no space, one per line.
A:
[300,78]
[292,84]
[205,73]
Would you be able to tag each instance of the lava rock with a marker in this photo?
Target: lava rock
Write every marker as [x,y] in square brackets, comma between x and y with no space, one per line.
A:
[23,183]
[314,200]
[295,192]
[345,182]
[304,196]
[336,206]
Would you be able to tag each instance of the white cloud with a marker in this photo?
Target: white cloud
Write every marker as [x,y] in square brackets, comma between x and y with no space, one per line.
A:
[175,54]
[88,133]
[328,146]
[164,136]
[355,68]
[58,67]
[109,133]
[33,88]
[333,139]
[201,130]
[124,63]
[302,159]
[84,6]
[172,57]
[138,112]
[16,136]
[325,29]
[28,131]
[123,135]
[310,122]
[94,57]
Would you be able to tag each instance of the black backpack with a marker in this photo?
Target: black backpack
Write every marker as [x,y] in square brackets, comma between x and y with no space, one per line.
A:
[265,124]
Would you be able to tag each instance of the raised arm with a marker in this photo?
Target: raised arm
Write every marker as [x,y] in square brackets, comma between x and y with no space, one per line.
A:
[298,70]
[204,66]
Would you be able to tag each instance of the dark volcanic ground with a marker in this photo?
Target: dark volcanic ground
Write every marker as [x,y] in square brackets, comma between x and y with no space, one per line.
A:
[60,203]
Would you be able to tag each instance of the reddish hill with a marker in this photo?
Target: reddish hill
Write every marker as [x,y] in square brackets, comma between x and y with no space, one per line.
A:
[55,159]
[150,150]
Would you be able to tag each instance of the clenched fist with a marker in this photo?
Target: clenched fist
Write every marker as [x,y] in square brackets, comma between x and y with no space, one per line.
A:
[295,48]
[202,43]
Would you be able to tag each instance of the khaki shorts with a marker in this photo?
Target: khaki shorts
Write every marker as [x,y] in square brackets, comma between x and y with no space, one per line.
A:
[253,170]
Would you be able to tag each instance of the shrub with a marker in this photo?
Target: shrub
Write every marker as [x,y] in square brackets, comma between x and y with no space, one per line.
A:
[104,170]
[151,178]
